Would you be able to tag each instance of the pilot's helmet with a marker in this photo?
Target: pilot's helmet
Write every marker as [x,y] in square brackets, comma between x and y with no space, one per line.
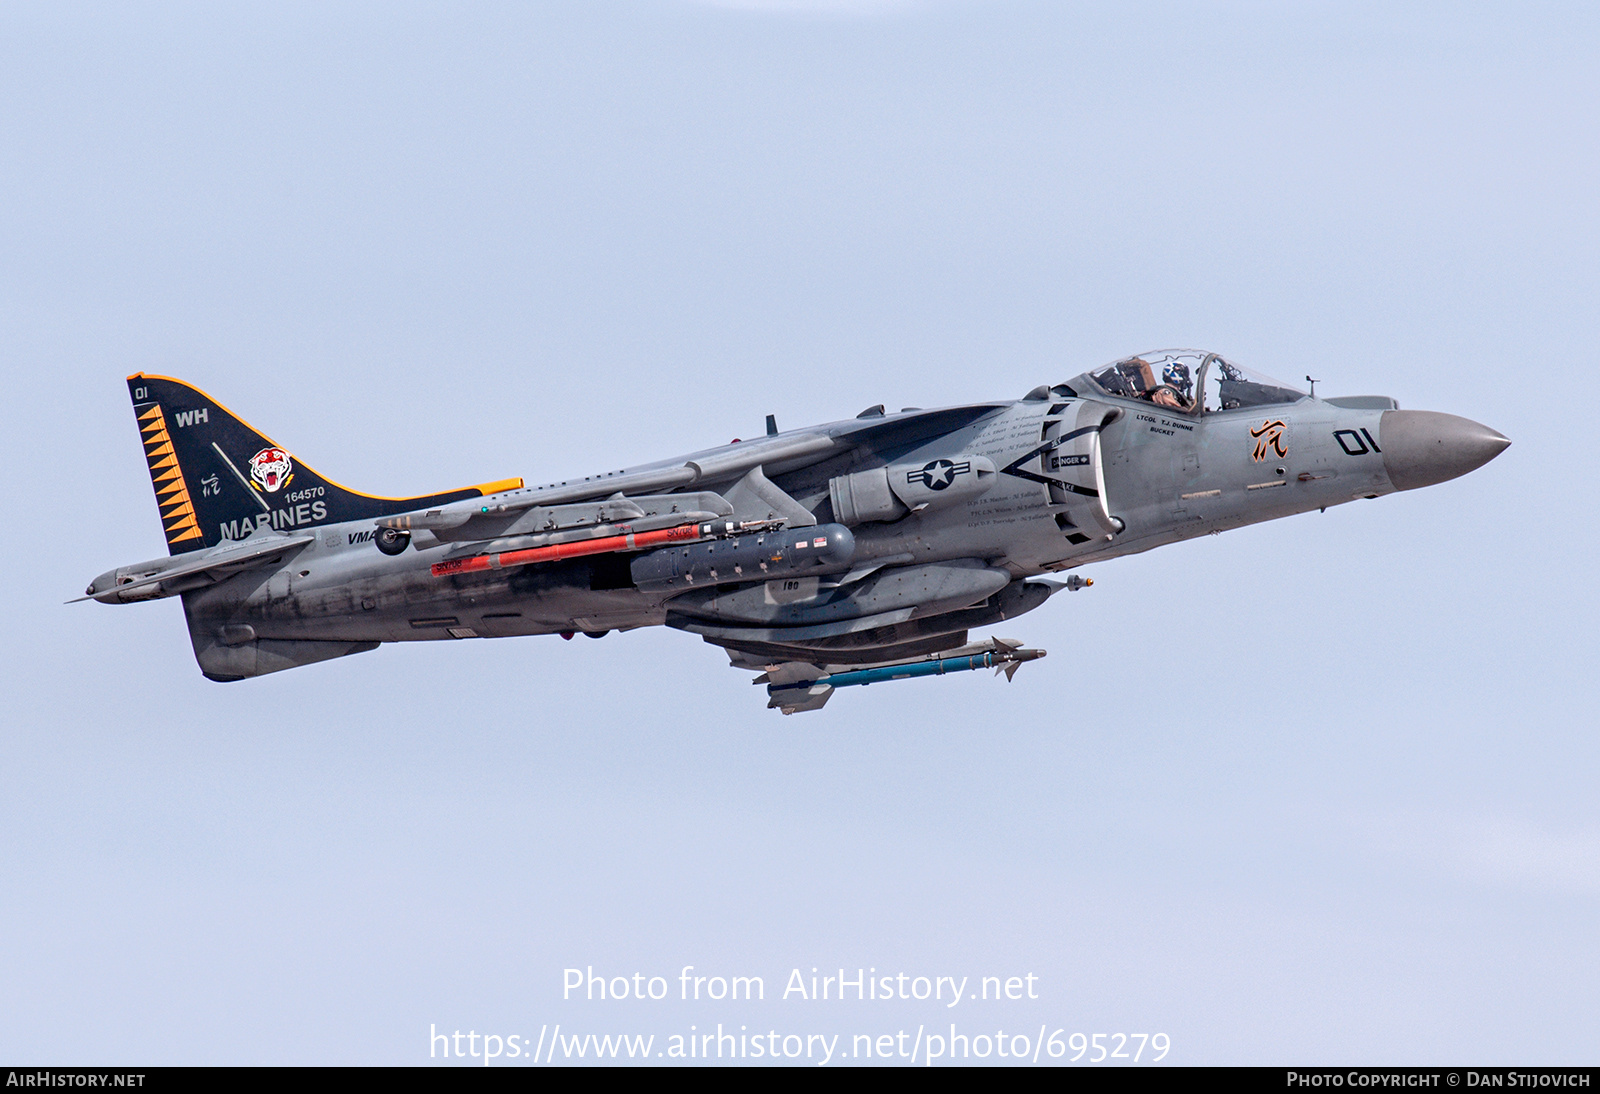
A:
[1177,374]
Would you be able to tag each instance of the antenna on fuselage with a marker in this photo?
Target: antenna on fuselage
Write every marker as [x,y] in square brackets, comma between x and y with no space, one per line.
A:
[1313,384]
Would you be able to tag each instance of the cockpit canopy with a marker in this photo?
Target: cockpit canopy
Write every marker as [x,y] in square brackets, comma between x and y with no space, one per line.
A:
[1189,381]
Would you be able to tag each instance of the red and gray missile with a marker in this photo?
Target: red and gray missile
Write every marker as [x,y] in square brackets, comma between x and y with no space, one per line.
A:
[626,540]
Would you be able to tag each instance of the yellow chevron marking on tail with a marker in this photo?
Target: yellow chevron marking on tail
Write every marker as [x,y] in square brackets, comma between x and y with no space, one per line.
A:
[178,517]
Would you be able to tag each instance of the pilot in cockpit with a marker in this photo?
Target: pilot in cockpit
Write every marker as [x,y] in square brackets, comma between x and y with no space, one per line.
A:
[1175,387]
[1177,375]
[1135,378]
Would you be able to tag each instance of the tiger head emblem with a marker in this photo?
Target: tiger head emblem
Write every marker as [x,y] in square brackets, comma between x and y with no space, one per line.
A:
[271,469]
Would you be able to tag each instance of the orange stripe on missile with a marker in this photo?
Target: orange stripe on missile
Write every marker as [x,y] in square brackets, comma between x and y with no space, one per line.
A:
[630,541]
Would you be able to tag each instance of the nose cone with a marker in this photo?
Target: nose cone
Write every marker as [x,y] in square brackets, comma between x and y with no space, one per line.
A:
[1421,448]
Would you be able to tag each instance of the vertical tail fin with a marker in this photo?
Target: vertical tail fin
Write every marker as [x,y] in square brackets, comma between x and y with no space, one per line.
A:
[216,478]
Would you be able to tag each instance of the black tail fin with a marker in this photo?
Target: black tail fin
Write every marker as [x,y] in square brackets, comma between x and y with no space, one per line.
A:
[217,479]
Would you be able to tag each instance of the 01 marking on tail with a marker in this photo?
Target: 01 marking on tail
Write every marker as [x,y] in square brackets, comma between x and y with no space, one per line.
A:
[842,555]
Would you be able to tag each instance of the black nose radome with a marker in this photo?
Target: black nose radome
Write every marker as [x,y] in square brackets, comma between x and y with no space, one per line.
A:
[1421,447]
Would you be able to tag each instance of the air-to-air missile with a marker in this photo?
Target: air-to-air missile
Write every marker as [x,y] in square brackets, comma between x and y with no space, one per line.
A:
[844,554]
[798,689]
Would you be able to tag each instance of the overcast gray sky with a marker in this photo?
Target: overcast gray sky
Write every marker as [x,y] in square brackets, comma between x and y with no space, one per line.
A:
[1316,791]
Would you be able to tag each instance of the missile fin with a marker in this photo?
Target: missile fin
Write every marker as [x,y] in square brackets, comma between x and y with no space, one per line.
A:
[798,701]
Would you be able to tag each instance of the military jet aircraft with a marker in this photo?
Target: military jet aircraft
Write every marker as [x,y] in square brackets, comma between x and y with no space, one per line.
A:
[843,554]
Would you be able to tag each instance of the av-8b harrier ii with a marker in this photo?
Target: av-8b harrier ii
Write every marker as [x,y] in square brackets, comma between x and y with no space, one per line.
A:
[849,553]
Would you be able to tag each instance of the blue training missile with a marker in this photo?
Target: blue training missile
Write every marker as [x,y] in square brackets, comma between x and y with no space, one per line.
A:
[809,694]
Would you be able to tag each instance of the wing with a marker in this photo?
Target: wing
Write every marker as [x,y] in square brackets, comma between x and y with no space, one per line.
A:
[717,469]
